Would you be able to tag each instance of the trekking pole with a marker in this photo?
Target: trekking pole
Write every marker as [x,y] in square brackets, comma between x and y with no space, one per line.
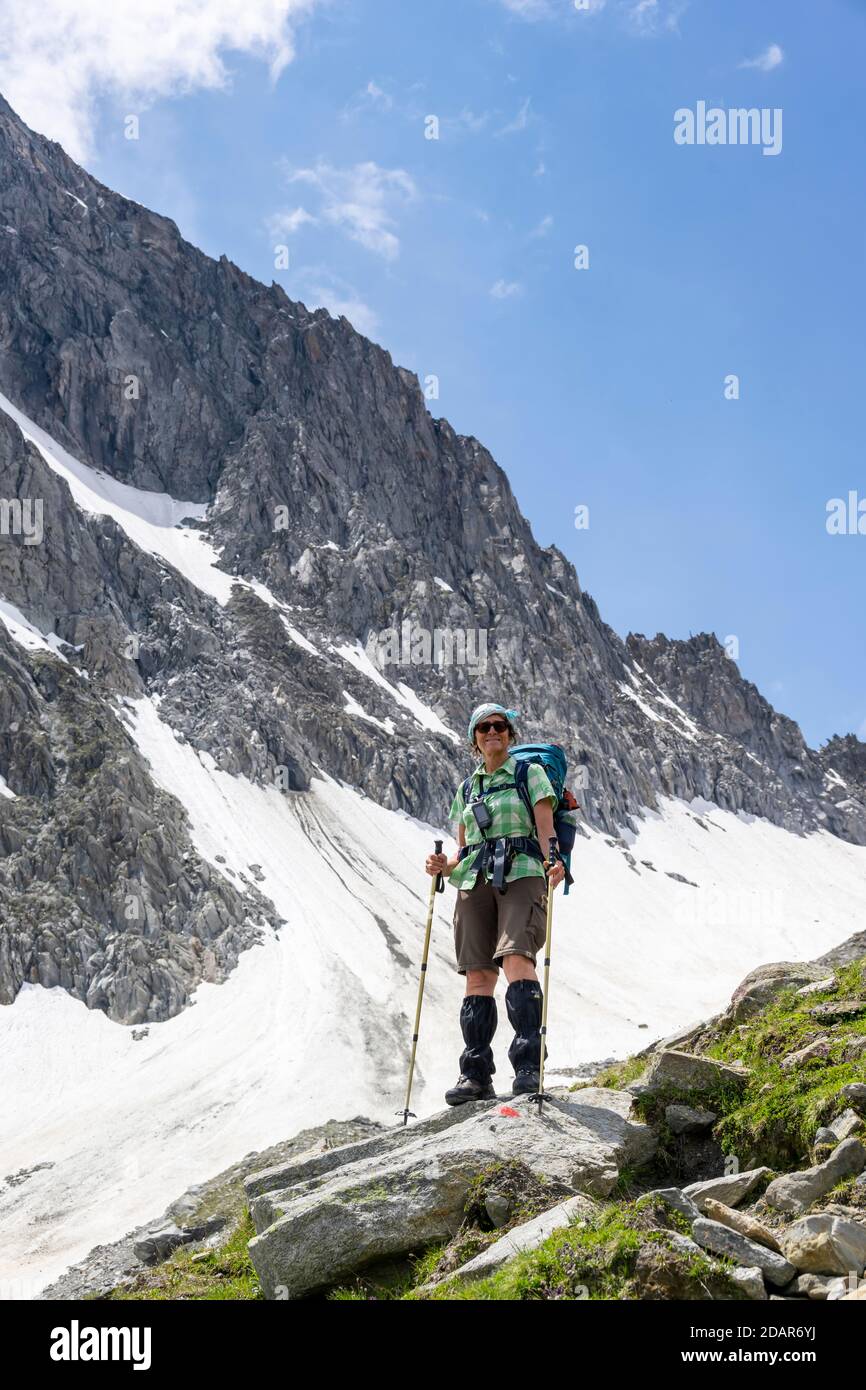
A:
[552,856]
[437,885]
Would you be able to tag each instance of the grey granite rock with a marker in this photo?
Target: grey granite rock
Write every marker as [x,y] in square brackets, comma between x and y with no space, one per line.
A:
[823,1243]
[321,1227]
[750,1280]
[721,1239]
[686,1071]
[731,1188]
[684,1119]
[795,1192]
[676,1198]
[520,1239]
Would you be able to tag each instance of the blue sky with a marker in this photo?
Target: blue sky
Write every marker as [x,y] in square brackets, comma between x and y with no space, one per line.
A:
[602,386]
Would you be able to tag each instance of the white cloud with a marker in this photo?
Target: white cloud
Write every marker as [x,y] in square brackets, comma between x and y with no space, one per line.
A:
[359,201]
[376,97]
[543,227]
[650,17]
[467,120]
[528,9]
[59,57]
[546,9]
[766,61]
[372,98]
[287,223]
[506,289]
[520,122]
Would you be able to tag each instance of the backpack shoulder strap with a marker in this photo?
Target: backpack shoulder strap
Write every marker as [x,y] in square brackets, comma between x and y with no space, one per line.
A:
[521,782]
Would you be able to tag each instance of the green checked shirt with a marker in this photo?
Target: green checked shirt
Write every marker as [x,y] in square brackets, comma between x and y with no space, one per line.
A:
[510,817]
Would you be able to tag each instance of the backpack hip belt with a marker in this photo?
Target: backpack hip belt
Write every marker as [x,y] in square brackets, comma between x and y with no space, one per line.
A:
[498,855]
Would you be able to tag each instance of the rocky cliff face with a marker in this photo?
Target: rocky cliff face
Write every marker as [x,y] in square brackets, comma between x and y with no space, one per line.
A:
[340,508]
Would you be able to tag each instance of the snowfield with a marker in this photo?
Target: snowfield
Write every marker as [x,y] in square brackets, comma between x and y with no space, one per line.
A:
[315,1022]
[100,1129]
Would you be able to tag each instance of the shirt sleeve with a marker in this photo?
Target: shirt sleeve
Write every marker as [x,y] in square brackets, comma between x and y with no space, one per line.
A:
[458,805]
[539,784]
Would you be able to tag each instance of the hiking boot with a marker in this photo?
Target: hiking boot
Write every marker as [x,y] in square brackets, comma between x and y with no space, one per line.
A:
[523,1000]
[478,1019]
[469,1089]
[525,1081]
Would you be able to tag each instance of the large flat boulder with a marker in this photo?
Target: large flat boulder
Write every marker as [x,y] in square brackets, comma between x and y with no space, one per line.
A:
[684,1072]
[326,1222]
[378,1145]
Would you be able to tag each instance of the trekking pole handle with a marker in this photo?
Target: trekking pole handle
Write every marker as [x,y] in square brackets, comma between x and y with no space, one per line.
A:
[554,856]
[440,882]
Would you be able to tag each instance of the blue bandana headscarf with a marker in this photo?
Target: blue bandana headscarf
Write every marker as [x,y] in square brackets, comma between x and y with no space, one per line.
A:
[481,712]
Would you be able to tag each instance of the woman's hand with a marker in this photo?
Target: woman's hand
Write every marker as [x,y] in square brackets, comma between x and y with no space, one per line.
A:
[437,864]
[556,874]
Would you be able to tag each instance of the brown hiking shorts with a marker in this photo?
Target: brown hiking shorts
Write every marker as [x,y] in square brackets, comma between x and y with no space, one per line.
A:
[489,925]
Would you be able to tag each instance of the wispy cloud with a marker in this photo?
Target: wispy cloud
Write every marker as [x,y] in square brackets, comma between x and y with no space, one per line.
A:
[287,223]
[506,289]
[467,122]
[370,98]
[650,17]
[766,61]
[520,122]
[376,97]
[546,9]
[528,9]
[542,228]
[361,201]
[58,58]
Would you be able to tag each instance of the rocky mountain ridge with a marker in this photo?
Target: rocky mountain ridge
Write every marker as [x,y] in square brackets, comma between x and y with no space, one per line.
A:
[337,508]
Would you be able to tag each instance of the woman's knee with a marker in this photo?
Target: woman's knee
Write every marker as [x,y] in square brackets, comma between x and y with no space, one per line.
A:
[518,967]
[481,981]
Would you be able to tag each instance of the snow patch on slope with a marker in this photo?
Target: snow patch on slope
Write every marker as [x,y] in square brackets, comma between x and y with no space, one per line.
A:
[26,635]
[150,519]
[683,724]
[315,1021]
[402,693]
[352,707]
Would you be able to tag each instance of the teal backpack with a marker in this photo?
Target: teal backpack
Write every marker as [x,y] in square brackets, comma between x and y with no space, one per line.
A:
[552,758]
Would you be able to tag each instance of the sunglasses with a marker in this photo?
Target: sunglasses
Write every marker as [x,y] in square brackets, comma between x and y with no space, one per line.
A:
[497,725]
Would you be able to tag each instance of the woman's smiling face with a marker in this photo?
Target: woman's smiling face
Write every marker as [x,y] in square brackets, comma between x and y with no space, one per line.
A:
[492,735]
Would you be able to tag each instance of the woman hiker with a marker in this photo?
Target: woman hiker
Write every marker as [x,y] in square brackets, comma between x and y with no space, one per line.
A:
[490,926]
